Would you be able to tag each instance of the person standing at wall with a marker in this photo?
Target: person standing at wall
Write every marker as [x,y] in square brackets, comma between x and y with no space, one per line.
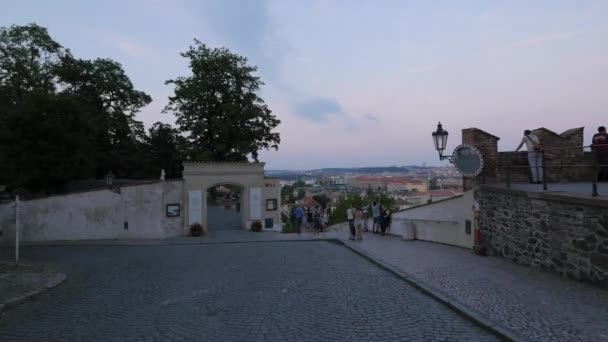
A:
[316,222]
[350,217]
[358,213]
[299,212]
[599,145]
[377,217]
[386,221]
[535,158]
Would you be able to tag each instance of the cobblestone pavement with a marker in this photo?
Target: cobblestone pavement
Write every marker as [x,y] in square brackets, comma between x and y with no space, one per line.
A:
[264,291]
[18,282]
[540,306]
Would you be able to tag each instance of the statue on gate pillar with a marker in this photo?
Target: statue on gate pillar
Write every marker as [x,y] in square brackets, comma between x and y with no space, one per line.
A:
[162,174]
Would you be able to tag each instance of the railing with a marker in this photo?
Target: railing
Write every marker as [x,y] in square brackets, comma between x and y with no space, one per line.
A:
[541,171]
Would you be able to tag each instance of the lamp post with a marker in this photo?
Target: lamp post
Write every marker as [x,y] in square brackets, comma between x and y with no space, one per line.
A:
[440,138]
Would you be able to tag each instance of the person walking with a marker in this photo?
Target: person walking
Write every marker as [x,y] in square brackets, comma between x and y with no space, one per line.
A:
[350,216]
[316,223]
[358,213]
[299,213]
[326,218]
[309,218]
[386,221]
[535,158]
[377,217]
[599,145]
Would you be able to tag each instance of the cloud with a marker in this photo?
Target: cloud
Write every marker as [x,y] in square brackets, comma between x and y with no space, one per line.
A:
[545,38]
[534,41]
[126,45]
[418,69]
[371,117]
[249,28]
[318,108]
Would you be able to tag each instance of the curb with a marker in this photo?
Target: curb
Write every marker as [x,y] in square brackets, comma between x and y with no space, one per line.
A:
[473,316]
[15,301]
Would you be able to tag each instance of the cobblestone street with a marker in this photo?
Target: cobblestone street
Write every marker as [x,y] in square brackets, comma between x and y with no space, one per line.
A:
[263,291]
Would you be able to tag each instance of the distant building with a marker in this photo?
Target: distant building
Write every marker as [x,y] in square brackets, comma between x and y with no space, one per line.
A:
[307,202]
[333,181]
[388,183]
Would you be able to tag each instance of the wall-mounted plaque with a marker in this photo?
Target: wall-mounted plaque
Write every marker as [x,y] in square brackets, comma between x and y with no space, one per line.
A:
[173,210]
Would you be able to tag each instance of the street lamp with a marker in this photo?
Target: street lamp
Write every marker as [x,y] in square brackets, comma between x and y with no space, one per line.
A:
[109,179]
[440,138]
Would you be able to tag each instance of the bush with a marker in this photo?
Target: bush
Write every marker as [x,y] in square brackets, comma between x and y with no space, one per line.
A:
[288,227]
[256,226]
[196,229]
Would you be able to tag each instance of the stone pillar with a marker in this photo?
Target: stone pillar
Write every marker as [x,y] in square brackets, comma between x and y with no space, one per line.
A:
[487,144]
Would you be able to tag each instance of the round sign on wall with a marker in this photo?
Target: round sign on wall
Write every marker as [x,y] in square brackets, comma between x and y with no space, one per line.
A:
[468,160]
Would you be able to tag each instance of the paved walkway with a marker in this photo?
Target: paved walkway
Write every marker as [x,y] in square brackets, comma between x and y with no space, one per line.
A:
[537,305]
[288,291]
[540,306]
[21,282]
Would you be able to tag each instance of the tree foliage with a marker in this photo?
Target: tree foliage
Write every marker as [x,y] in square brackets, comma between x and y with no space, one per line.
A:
[218,108]
[63,118]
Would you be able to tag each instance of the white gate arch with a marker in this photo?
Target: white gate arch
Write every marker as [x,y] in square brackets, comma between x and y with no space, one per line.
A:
[260,195]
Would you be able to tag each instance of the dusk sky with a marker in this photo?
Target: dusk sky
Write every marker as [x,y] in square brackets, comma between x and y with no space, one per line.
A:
[363,83]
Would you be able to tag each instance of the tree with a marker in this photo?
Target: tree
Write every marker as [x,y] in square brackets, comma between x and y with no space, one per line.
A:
[103,85]
[301,194]
[322,199]
[218,107]
[164,151]
[287,194]
[299,183]
[433,184]
[63,118]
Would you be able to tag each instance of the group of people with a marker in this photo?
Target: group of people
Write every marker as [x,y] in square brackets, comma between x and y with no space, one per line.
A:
[599,145]
[356,220]
[315,217]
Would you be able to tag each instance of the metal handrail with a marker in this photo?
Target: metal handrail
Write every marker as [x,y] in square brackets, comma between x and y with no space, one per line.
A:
[595,165]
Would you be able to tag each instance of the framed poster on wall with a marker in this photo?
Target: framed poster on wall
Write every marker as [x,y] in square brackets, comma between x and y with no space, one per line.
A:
[255,203]
[173,210]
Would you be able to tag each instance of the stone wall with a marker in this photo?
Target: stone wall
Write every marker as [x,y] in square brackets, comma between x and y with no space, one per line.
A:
[137,212]
[565,234]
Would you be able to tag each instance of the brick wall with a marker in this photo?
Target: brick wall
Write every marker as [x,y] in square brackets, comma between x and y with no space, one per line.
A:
[487,144]
[564,234]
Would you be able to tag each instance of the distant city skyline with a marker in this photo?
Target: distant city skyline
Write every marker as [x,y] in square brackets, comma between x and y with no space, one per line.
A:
[360,83]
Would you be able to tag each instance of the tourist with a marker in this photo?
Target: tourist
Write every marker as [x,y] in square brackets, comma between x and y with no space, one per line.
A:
[326,218]
[351,222]
[535,158]
[377,217]
[386,221]
[299,213]
[309,217]
[358,214]
[317,223]
[600,147]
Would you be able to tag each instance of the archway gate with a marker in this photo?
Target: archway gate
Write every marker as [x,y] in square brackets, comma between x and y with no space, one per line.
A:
[260,195]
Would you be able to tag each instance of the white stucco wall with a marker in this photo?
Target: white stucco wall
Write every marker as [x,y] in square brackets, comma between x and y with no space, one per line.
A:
[97,215]
[442,222]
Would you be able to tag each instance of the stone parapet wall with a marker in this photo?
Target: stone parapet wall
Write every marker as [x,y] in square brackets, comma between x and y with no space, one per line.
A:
[565,234]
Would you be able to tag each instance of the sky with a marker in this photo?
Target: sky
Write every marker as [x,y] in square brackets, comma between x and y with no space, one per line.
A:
[363,83]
